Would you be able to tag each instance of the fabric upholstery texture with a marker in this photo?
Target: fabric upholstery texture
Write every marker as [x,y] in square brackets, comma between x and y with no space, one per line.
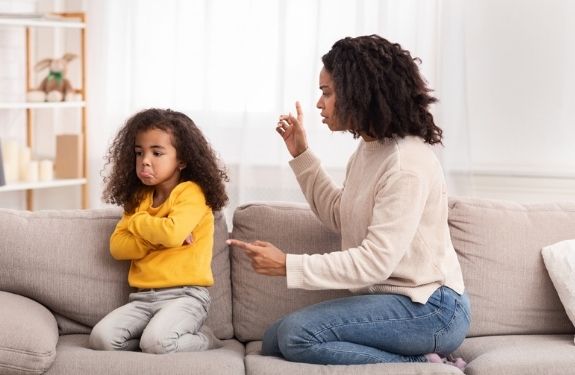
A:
[260,300]
[499,247]
[257,364]
[519,355]
[74,357]
[62,260]
[559,260]
[28,336]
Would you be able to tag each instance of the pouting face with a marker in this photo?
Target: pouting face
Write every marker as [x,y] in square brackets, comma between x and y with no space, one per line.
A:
[326,102]
[156,158]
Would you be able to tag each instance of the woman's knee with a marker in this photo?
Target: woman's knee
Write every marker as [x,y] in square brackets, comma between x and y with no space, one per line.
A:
[293,338]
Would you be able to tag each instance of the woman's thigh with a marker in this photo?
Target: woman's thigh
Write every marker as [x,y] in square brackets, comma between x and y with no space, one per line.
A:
[388,322]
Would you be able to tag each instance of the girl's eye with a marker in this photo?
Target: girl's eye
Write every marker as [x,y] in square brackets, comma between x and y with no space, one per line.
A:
[158,154]
[138,153]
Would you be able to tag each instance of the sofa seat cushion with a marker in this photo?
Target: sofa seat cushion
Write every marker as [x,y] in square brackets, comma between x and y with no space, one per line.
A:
[74,357]
[256,364]
[28,336]
[499,248]
[519,355]
[61,258]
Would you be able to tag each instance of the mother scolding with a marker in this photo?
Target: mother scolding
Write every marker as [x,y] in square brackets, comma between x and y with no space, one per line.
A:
[396,254]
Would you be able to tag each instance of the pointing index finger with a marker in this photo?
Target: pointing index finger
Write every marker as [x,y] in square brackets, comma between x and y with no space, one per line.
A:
[249,248]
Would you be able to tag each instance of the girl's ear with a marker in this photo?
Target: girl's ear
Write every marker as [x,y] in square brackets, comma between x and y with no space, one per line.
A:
[181,165]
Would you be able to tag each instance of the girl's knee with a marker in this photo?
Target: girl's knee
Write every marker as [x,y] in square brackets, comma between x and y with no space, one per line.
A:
[158,344]
[101,339]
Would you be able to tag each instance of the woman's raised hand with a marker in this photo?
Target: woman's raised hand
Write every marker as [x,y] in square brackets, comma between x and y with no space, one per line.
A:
[292,131]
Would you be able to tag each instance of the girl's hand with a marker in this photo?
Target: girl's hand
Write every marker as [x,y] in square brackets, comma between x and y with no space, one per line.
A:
[266,258]
[189,240]
[292,131]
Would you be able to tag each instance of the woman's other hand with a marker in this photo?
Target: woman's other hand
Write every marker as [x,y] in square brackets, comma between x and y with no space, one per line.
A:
[292,131]
[266,258]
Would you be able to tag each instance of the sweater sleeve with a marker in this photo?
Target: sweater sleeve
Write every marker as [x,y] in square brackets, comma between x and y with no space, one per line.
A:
[399,205]
[124,245]
[186,211]
[320,191]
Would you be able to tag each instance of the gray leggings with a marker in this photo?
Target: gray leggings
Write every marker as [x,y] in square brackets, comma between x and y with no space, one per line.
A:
[157,321]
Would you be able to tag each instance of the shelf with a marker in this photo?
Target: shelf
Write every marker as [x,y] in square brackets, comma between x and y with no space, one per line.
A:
[19,186]
[45,23]
[7,19]
[40,105]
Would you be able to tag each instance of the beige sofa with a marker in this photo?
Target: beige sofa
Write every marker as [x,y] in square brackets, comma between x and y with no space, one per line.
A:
[57,280]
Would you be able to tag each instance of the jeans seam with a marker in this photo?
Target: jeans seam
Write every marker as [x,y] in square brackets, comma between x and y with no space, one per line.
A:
[431,314]
[449,324]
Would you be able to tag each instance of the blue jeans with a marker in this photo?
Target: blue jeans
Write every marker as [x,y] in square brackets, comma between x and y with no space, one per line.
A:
[371,328]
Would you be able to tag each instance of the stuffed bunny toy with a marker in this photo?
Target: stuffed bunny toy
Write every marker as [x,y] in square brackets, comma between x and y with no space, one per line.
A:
[55,86]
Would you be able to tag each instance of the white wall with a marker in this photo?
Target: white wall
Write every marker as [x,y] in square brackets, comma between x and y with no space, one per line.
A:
[514,138]
[504,78]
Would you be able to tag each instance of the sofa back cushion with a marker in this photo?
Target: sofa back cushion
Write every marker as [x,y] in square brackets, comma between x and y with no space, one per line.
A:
[61,259]
[259,300]
[499,247]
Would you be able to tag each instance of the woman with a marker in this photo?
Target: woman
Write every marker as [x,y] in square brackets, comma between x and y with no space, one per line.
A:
[397,256]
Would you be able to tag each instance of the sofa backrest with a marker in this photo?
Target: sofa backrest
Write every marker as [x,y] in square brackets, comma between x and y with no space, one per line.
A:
[498,244]
[61,259]
[499,247]
[259,300]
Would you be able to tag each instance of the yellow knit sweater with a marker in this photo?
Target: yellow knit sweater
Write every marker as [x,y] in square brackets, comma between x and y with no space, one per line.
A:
[152,238]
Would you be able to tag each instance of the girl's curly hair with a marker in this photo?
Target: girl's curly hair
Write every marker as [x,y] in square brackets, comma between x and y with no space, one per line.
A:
[379,90]
[122,185]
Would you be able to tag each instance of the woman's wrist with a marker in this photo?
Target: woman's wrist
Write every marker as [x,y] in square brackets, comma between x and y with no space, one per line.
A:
[299,152]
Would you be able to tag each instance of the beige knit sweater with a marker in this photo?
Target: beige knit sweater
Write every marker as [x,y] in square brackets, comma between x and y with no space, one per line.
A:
[392,216]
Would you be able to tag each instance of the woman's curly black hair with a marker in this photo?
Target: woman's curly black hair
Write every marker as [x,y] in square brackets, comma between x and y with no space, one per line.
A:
[379,90]
[122,185]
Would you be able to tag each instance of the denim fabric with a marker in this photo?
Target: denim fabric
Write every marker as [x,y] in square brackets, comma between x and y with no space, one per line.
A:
[156,321]
[371,328]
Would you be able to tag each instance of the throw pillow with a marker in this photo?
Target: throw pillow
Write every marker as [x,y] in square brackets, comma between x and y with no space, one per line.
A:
[559,260]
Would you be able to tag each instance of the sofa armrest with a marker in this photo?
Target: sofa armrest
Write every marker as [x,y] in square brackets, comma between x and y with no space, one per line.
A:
[28,335]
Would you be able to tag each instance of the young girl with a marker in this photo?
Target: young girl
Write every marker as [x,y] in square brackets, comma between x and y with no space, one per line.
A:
[166,177]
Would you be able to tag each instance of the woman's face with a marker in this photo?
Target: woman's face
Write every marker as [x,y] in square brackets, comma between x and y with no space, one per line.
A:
[326,102]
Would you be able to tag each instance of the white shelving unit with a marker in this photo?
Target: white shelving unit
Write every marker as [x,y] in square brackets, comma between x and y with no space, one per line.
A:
[29,105]
[29,22]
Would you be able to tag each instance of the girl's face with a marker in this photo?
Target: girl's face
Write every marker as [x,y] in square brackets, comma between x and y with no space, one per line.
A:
[326,102]
[157,163]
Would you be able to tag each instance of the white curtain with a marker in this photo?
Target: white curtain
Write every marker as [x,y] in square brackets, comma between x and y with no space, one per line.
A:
[233,66]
